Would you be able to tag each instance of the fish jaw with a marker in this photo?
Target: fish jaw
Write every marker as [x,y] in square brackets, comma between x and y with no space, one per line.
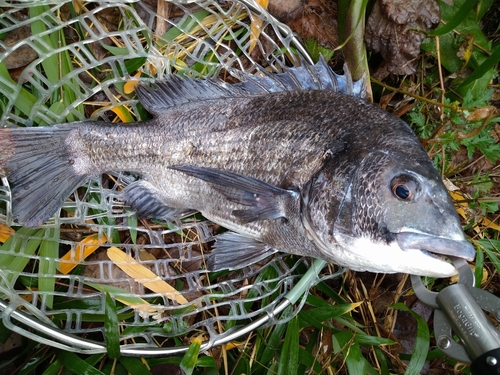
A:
[364,254]
[436,245]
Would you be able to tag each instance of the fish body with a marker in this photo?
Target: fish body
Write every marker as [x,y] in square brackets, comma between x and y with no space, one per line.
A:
[292,163]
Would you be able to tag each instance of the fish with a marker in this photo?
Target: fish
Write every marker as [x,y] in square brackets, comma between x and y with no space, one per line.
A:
[296,162]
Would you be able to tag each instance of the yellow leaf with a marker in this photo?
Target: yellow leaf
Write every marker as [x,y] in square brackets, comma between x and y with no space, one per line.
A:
[125,297]
[490,224]
[84,248]
[468,50]
[129,86]
[144,255]
[458,197]
[263,3]
[122,112]
[354,305]
[143,275]
[198,339]
[27,297]
[5,232]
[255,26]
[233,344]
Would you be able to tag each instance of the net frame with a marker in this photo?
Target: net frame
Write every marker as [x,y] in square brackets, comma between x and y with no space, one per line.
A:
[95,208]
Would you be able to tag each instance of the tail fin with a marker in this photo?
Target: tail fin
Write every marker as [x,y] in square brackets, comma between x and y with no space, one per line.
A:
[39,169]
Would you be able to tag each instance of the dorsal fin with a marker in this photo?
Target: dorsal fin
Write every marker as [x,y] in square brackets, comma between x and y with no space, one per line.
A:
[305,77]
[176,91]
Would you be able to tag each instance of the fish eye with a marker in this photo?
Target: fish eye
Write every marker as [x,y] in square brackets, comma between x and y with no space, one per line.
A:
[404,187]
[402,192]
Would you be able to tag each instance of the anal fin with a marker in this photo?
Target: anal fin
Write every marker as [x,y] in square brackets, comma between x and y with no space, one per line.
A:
[144,198]
[234,251]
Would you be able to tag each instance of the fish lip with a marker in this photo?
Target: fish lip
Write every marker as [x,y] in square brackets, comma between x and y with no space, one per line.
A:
[436,245]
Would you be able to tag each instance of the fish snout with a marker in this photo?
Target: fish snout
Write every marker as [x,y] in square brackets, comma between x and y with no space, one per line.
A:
[436,245]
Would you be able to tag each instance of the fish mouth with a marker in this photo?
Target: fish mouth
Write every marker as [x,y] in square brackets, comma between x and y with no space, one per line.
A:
[436,245]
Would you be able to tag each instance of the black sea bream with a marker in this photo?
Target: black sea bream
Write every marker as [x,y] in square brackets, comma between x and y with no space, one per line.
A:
[295,162]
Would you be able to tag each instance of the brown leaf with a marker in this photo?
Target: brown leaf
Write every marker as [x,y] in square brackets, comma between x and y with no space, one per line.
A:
[286,10]
[23,55]
[318,20]
[396,29]
[482,113]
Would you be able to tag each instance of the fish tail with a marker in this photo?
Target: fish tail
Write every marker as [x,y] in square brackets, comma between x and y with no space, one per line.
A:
[40,171]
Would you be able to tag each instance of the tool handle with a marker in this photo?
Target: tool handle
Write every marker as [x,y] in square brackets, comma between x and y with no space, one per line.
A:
[487,363]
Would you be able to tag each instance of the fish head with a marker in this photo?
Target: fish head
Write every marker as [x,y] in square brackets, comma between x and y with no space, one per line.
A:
[389,213]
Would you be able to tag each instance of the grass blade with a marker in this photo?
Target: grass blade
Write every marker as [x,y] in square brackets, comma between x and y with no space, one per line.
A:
[272,342]
[354,360]
[49,252]
[481,70]
[492,249]
[50,63]
[188,362]
[307,359]
[24,249]
[478,270]
[111,328]
[75,364]
[53,369]
[289,358]
[421,348]
[24,100]
[134,366]
[459,17]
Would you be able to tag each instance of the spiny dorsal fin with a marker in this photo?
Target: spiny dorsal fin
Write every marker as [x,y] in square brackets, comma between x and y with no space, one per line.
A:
[305,77]
[176,91]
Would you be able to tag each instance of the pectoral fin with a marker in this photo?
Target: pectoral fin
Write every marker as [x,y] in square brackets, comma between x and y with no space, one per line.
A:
[264,200]
[233,251]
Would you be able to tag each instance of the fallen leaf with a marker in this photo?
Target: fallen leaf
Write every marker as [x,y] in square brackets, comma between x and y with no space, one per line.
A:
[482,113]
[5,232]
[396,29]
[234,345]
[84,248]
[143,275]
[129,86]
[255,26]
[124,296]
[123,113]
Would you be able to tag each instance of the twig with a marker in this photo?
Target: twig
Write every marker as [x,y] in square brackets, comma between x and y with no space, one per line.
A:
[453,107]
[163,13]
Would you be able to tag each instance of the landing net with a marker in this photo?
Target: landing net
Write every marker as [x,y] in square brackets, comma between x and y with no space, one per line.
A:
[63,61]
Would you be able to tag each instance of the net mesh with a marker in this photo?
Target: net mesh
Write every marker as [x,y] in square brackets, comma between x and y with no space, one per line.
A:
[98,48]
